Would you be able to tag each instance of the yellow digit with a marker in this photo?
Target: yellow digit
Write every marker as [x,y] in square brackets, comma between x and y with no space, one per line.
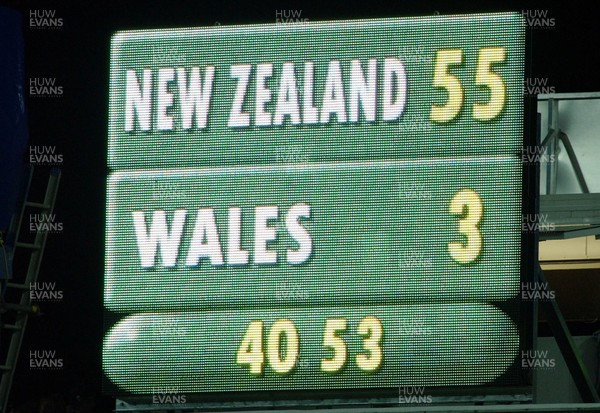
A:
[331,340]
[441,78]
[283,362]
[468,225]
[493,81]
[371,330]
[250,351]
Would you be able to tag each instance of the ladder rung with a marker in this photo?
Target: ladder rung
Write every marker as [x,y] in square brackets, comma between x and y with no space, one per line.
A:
[19,286]
[5,368]
[27,245]
[37,205]
[10,326]
[21,307]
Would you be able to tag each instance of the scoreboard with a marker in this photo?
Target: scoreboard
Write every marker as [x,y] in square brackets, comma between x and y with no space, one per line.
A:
[315,207]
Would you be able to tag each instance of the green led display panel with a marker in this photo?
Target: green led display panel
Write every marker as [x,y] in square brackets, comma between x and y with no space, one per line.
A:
[324,206]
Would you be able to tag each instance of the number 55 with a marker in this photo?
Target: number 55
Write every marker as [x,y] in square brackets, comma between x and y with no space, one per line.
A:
[484,76]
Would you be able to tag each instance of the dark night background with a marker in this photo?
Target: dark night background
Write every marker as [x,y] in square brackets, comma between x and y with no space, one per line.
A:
[77,55]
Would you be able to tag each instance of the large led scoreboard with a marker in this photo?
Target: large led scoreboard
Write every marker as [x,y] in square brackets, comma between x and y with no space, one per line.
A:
[315,208]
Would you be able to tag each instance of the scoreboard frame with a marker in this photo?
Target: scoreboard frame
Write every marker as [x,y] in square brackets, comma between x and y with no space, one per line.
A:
[287,399]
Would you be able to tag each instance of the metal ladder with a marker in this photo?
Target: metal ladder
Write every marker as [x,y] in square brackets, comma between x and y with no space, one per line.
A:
[20,311]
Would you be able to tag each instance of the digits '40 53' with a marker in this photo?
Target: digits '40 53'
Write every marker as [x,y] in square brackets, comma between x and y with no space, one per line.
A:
[283,360]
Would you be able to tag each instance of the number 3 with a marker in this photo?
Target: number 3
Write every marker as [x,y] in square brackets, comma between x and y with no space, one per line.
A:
[371,330]
[468,225]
